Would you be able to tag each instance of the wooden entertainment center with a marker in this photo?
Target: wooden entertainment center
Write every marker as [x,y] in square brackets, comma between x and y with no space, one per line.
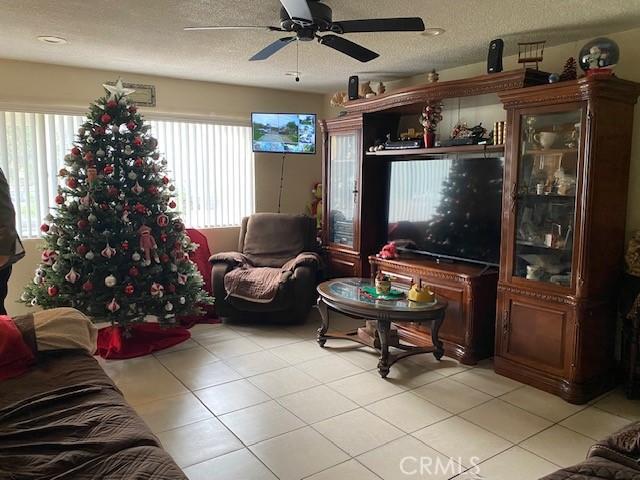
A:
[547,313]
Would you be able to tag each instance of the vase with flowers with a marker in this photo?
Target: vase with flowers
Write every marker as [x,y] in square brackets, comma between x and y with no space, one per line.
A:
[429,119]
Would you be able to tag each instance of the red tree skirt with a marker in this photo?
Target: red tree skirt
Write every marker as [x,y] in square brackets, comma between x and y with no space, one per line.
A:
[209,316]
[144,339]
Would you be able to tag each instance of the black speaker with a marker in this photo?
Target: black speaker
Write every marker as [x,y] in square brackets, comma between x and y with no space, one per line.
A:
[494,58]
[353,87]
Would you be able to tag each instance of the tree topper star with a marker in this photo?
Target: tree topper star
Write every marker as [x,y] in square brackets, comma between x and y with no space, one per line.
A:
[118,90]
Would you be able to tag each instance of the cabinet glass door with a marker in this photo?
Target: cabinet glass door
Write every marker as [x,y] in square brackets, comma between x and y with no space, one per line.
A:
[545,196]
[343,169]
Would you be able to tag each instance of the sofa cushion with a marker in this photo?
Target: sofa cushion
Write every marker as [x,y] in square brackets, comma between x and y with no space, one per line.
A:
[595,468]
[271,239]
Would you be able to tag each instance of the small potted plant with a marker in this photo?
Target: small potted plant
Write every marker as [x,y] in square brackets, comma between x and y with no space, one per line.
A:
[429,119]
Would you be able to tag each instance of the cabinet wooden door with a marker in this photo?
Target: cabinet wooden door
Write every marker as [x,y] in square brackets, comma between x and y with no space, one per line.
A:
[535,333]
[343,165]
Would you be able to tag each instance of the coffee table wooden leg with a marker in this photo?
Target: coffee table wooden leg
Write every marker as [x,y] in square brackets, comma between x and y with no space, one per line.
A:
[324,315]
[437,343]
[383,332]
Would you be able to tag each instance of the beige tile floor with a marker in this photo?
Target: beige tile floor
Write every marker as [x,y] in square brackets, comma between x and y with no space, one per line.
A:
[262,402]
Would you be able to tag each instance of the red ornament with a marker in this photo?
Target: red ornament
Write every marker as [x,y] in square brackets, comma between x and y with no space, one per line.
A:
[108,169]
[134,272]
[82,249]
[105,118]
[152,189]
[112,191]
[87,286]
[59,199]
[98,130]
[82,224]
[171,288]
[137,141]
[140,208]
[89,157]
[164,258]
[52,291]
[162,220]
[131,126]
[163,237]
[172,204]
[104,206]
[129,289]
[165,180]
[139,162]
[44,228]
[133,109]
[112,103]
[124,245]
[72,182]
[75,151]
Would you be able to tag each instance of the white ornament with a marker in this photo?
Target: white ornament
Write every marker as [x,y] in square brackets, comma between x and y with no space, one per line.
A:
[168,306]
[136,257]
[118,90]
[128,150]
[182,300]
[40,272]
[37,280]
[90,255]
[108,251]
[24,297]
[137,189]
[56,267]
[132,175]
[100,153]
[113,305]
[34,302]
[92,218]
[72,276]
[60,242]
[90,139]
[110,281]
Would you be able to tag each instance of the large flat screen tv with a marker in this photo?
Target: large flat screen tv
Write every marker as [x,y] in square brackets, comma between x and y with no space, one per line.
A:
[284,132]
[448,208]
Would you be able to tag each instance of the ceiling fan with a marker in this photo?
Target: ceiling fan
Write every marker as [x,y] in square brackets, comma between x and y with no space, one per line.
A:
[307,18]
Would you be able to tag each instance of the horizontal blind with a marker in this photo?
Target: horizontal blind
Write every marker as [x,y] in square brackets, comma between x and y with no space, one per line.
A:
[212,166]
[213,170]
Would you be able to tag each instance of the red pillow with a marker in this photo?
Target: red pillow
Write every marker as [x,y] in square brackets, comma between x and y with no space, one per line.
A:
[15,354]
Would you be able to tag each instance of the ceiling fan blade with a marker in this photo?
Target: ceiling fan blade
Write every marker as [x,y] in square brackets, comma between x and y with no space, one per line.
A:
[298,10]
[272,48]
[405,24]
[235,27]
[348,48]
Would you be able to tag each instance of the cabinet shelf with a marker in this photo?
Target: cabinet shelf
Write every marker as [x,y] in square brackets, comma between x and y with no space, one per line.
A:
[414,152]
[550,151]
[526,243]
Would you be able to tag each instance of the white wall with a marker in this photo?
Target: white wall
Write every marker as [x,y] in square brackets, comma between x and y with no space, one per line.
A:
[43,87]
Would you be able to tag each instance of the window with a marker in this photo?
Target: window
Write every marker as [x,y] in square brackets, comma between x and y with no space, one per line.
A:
[211,165]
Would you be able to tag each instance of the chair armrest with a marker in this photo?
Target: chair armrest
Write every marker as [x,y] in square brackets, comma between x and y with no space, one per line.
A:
[233,259]
[622,446]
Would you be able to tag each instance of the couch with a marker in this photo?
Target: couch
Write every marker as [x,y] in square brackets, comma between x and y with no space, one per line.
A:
[271,241]
[617,457]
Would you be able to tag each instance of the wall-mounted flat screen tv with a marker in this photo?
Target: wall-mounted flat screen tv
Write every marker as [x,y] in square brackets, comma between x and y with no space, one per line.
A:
[448,208]
[284,132]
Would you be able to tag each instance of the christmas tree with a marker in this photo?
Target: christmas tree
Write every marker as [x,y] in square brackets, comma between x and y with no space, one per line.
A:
[570,70]
[115,247]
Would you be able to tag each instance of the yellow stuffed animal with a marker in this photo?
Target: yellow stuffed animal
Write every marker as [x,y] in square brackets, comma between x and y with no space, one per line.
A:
[420,295]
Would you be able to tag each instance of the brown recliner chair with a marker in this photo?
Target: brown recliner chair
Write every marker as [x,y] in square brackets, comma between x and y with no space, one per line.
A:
[271,240]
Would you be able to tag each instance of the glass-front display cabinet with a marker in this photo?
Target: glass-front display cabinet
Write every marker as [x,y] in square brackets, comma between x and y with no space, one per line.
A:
[544,201]
[342,198]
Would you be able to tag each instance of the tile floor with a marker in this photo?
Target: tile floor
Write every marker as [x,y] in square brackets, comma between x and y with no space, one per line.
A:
[259,402]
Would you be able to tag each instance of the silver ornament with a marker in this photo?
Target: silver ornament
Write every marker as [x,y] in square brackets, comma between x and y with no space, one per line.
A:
[90,255]
[100,153]
[136,257]
[56,267]
[37,280]
[171,188]
[40,273]
[164,162]
[132,175]
[92,218]
[60,242]
[110,281]
[168,306]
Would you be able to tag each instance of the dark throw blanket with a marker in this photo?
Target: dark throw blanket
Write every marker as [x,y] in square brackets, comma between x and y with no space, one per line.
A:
[65,419]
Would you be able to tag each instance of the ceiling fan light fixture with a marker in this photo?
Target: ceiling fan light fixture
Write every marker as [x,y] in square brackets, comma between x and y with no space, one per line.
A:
[433,32]
[52,40]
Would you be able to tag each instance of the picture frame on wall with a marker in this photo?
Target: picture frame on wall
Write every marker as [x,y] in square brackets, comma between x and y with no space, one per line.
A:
[144,95]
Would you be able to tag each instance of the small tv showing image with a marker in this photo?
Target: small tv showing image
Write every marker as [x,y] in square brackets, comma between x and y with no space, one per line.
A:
[284,132]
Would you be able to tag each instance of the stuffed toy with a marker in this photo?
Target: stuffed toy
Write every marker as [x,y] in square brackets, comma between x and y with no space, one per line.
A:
[389,251]
[314,208]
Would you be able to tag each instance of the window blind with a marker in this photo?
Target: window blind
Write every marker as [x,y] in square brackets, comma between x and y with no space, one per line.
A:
[211,164]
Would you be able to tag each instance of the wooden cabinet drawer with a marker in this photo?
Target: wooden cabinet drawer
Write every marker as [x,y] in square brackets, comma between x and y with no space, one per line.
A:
[342,264]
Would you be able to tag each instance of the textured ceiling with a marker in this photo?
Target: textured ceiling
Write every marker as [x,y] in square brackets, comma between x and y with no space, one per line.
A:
[146,36]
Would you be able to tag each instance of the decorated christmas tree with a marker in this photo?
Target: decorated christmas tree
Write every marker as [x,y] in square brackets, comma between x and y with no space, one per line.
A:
[114,245]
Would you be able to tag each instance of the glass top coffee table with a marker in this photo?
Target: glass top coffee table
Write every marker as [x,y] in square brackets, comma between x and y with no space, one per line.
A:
[346,295]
